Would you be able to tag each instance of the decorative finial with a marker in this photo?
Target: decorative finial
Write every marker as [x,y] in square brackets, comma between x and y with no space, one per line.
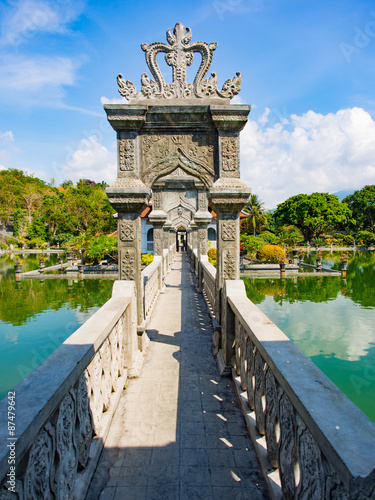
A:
[179,54]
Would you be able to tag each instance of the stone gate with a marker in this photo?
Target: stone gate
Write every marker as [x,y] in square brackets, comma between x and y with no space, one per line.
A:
[179,143]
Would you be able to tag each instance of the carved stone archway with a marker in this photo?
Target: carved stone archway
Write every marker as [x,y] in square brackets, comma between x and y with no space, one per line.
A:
[183,127]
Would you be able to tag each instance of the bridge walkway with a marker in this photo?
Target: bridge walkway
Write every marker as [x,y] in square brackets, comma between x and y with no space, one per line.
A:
[178,432]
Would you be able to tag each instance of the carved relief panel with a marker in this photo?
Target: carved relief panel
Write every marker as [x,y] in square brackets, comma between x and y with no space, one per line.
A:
[126,230]
[161,154]
[228,230]
[128,263]
[126,149]
[229,264]
[230,164]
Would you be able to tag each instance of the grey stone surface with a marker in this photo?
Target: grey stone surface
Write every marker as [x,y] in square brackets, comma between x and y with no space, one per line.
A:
[178,432]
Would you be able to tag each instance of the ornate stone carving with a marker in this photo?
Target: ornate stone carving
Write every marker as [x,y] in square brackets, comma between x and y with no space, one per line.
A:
[163,154]
[259,367]
[126,155]
[179,55]
[156,200]
[287,446]
[311,483]
[128,264]
[40,465]
[229,154]
[96,401]
[228,230]
[84,418]
[202,201]
[127,230]
[106,383]
[271,418]
[229,264]
[202,234]
[250,373]
[66,447]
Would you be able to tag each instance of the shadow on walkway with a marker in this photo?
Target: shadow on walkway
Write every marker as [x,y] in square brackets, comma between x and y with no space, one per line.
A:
[178,432]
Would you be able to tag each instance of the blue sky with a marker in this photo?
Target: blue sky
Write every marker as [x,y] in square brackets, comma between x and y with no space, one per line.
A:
[308,71]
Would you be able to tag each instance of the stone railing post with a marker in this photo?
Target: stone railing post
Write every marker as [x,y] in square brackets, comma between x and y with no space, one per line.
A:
[158,218]
[166,242]
[194,244]
[201,219]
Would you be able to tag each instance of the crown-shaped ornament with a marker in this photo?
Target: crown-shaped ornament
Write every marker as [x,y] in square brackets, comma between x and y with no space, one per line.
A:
[179,54]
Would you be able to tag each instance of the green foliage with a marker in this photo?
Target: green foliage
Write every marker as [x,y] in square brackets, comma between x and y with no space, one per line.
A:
[37,230]
[366,238]
[269,237]
[362,205]
[290,235]
[101,248]
[146,259]
[271,253]
[313,214]
[318,242]
[257,218]
[343,239]
[37,243]
[251,244]
[212,256]
[19,219]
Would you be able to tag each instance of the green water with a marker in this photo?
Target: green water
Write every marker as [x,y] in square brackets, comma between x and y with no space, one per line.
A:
[331,319]
[37,316]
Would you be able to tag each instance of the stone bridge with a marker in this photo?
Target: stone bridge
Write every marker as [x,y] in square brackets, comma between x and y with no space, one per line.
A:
[179,387]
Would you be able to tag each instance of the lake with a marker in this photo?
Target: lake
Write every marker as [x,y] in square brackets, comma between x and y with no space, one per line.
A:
[331,319]
[36,316]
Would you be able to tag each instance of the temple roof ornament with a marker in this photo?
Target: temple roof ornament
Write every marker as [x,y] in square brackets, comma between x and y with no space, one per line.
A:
[179,54]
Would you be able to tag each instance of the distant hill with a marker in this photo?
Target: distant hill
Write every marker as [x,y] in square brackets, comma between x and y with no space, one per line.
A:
[344,193]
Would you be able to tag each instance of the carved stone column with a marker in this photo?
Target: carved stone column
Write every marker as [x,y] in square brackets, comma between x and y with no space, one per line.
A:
[129,206]
[202,218]
[158,218]
[166,242]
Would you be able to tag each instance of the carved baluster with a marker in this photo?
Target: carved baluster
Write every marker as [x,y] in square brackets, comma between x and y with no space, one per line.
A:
[114,358]
[66,469]
[311,474]
[250,386]
[237,349]
[120,346]
[259,399]
[37,483]
[287,447]
[272,424]
[106,383]
[96,400]
[84,418]
[334,488]
[243,362]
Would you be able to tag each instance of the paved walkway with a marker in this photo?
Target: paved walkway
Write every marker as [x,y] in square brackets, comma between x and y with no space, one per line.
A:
[178,432]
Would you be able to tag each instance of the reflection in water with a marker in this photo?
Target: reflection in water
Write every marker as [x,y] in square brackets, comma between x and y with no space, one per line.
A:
[36,317]
[331,319]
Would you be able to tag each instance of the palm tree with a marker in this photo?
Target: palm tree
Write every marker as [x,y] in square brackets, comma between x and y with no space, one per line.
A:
[255,209]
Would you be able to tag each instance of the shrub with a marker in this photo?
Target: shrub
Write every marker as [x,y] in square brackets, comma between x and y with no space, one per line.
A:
[212,256]
[102,247]
[366,238]
[271,253]
[270,238]
[251,244]
[146,259]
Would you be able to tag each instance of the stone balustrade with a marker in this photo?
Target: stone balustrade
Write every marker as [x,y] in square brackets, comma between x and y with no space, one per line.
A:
[152,276]
[311,440]
[65,406]
[209,285]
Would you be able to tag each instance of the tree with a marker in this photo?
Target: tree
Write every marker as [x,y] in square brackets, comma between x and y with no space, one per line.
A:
[362,205]
[255,209]
[313,213]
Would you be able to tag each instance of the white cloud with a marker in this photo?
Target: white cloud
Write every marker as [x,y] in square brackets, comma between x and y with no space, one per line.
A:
[312,152]
[115,100]
[38,79]
[7,137]
[26,18]
[91,160]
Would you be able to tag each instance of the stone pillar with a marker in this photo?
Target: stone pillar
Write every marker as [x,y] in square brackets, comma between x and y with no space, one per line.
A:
[202,218]
[129,209]
[158,218]
[166,242]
